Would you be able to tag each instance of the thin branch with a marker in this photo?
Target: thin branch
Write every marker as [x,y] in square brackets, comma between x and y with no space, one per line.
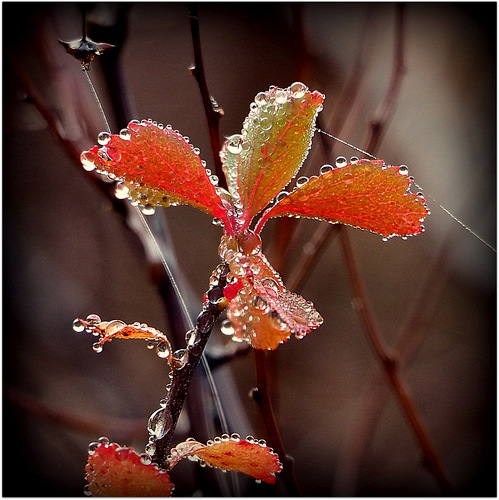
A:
[262,397]
[182,377]
[411,337]
[391,366]
[384,112]
[212,111]
[81,422]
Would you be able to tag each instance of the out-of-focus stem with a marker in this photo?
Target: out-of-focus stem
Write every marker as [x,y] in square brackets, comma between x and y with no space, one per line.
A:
[262,397]
[212,111]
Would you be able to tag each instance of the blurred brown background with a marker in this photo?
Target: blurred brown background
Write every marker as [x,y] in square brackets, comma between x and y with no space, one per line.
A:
[67,254]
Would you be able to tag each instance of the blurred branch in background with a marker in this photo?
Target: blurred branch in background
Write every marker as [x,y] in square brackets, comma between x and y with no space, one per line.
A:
[67,251]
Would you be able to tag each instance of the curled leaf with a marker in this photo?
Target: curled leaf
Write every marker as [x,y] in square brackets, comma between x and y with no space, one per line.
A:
[272,146]
[157,167]
[248,456]
[365,194]
[262,311]
[115,471]
[106,331]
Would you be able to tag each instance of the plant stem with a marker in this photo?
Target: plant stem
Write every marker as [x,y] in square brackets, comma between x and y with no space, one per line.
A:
[182,377]
[385,110]
[391,366]
[262,397]
[212,111]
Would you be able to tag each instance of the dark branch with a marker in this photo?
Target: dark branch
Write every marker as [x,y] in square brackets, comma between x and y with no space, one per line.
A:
[182,377]
[212,111]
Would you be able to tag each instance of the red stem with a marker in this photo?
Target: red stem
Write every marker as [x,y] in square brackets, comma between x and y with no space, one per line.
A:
[391,366]
[262,397]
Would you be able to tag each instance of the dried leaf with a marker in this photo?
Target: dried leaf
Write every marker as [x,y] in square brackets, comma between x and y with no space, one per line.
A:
[115,471]
[273,145]
[365,194]
[157,166]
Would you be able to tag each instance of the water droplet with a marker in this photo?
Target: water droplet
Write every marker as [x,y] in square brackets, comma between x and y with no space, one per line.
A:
[93,319]
[205,321]
[326,168]
[159,423]
[180,358]
[88,161]
[265,124]
[281,196]
[78,326]
[163,349]
[114,326]
[92,447]
[235,144]
[97,347]
[260,98]
[301,181]
[271,284]
[235,437]
[103,138]
[403,170]
[260,304]
[122,454]
[150,448]
[192,338]
[298,90]
[125,134]
[354,159]
[148,209]
[217,222]
[121,191]
[214,180]
[196,151]
[226,327]
[281,97]
[341,161]
[145,458]
[103,440]
[86,490]
[348,178]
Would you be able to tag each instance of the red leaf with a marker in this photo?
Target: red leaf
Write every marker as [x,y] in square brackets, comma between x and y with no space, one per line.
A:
[273,145]
[248,456]
[263,312]
[119,472]
[365,194]
[157,165]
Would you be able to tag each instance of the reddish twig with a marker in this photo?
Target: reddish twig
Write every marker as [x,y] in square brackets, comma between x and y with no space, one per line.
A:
[212,111]
[408,343]
[386,108]
[81,422]
[391,366]
[262,397]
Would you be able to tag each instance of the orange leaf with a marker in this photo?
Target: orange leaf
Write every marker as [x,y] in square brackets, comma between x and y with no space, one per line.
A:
[157,166]
[365,194]
[248,456]
[106,331]
[263,312]
[114,471]
[272,146]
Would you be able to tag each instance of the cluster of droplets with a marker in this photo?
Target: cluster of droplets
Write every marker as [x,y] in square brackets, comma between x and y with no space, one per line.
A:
[270,111]
[120,453]
[248,264]
[107,330]
[145,199]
